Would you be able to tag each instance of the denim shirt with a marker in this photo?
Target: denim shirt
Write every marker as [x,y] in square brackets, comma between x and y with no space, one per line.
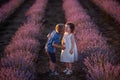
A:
[54,38]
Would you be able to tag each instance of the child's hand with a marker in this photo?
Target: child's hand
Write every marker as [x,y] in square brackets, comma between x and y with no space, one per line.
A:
[46,51]
[71,51]
[63,47]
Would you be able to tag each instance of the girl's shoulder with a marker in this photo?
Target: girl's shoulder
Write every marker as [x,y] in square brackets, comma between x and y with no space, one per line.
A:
[72,35]
[65,34]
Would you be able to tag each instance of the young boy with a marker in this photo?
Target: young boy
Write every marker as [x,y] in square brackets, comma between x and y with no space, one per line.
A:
[53,43]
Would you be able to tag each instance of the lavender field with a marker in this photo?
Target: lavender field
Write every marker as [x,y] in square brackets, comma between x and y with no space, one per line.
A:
[24,25]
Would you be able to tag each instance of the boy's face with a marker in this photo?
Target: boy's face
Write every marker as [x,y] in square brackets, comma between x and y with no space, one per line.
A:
[62,31]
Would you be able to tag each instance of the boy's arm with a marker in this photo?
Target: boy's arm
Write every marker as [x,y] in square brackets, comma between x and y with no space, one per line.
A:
[57,46]
[48,35]
[56,43]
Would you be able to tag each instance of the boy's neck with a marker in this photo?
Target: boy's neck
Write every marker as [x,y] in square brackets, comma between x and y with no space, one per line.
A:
[58,32]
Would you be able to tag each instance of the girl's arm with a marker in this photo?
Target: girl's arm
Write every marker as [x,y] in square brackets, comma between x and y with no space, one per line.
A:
[72,42]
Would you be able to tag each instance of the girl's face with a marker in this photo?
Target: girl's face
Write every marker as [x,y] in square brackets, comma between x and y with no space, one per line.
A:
[67,28]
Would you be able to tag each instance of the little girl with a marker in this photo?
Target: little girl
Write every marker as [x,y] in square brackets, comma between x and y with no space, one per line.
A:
[69,54]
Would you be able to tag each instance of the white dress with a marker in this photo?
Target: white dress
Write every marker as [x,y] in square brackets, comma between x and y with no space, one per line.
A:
[65,54]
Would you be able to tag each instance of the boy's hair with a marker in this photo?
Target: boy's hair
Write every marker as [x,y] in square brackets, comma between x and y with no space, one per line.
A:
[59,27]
[72,27]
